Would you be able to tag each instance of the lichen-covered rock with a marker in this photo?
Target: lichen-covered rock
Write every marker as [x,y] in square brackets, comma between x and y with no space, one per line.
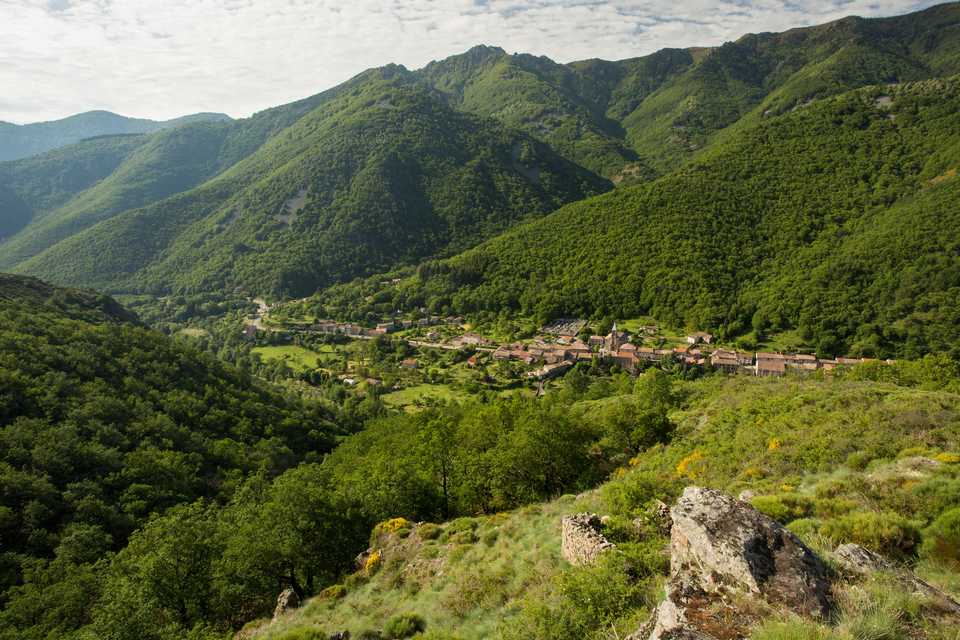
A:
[582,543]
[286,601]
[722,551]
[860,561]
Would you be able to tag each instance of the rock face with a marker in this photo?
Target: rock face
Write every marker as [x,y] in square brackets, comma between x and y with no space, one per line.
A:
[286,601]
[862,562]
[724,551]
[582,543]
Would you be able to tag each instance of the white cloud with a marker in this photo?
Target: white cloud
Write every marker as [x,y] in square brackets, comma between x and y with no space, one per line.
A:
[163,58]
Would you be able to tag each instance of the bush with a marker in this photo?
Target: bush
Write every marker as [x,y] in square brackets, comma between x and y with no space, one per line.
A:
[429,531]
[387,527]
[404,625]
[805,528]
[941,540]
[887,533]
[304,634]
[785,507]
[333,592]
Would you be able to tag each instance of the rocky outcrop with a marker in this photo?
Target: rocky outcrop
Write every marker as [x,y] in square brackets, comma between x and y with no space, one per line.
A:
[862,562]
[723,553]
[286,602]
[582,543]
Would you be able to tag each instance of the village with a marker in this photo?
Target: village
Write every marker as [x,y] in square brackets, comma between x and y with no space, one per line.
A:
[564,343]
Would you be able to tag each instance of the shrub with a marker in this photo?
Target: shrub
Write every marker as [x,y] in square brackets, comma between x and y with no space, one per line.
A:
[333,592]
[373,562]
[941,540]
[888,533]
[429,531]
[947,458]
[404,625]
[805,528]
[793,630]
[858,460]
[784,507]
[387,527]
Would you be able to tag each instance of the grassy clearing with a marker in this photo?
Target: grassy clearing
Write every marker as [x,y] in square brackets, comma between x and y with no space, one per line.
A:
[298,358]
[409,397]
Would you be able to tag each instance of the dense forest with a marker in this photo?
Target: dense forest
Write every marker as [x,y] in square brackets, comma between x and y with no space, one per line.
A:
[831,220]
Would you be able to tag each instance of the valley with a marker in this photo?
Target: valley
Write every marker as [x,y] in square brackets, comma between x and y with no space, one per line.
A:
[660,348]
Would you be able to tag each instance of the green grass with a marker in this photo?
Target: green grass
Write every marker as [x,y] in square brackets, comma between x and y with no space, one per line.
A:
[299,358]
[470,587]
[409,397]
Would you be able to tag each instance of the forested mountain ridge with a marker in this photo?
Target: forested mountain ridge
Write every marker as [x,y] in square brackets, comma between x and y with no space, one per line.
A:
[838,219]
[165,163]
[379,175]
[21,141]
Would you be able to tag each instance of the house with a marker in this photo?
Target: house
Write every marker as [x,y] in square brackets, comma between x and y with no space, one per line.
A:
[627,360]
[647,353]
[770,367]
[726,361]
[472,361]
[698,337]
[628,347]
[595,342]
[744,359]
[250,331]
[409,363]
[386,327]
[503,352]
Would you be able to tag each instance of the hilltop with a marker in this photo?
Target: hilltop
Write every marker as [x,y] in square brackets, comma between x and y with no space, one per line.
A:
[21,141]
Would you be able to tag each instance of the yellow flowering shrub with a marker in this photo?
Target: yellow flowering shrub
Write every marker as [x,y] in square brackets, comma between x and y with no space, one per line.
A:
[373,562]
[693,466]
[947,458]
[774,444]
[390,526]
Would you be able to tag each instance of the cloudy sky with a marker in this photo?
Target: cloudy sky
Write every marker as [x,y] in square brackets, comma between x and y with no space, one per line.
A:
[164,58]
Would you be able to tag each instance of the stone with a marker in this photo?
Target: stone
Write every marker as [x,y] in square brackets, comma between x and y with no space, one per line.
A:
[747,495]
[582,543]
[286,602]
[661,515]
[862,562]
[723,551]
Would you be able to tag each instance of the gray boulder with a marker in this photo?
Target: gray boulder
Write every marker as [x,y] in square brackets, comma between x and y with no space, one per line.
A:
[862,562]
[286,602]
[723,550]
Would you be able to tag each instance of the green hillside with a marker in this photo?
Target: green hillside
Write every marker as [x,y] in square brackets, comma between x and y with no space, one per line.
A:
[104,422]
[838,219]
[72,189]
[21,141]
[843,460]
[382,175]
[42,183]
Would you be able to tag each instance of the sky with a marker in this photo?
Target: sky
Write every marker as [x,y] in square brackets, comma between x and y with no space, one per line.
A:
[164,58]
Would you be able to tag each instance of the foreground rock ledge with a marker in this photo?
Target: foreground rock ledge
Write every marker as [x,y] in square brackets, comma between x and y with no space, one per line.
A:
[723,551]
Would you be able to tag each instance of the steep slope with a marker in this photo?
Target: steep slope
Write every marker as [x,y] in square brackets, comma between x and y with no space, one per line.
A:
[768,74]
[166,163]
[787,225]
[559,104]
[839,461]
[380,175]
[32,139]
[104,422]
[42,183]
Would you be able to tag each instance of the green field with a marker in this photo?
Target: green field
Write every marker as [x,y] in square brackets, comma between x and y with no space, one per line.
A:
[407,398]
[299,358]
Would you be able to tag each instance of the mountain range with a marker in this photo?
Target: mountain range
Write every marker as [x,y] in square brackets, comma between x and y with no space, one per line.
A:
[737,170]
[21,141]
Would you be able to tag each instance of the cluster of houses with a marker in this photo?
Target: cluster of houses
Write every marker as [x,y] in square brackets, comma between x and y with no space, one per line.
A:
[354,330]
[561,354]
